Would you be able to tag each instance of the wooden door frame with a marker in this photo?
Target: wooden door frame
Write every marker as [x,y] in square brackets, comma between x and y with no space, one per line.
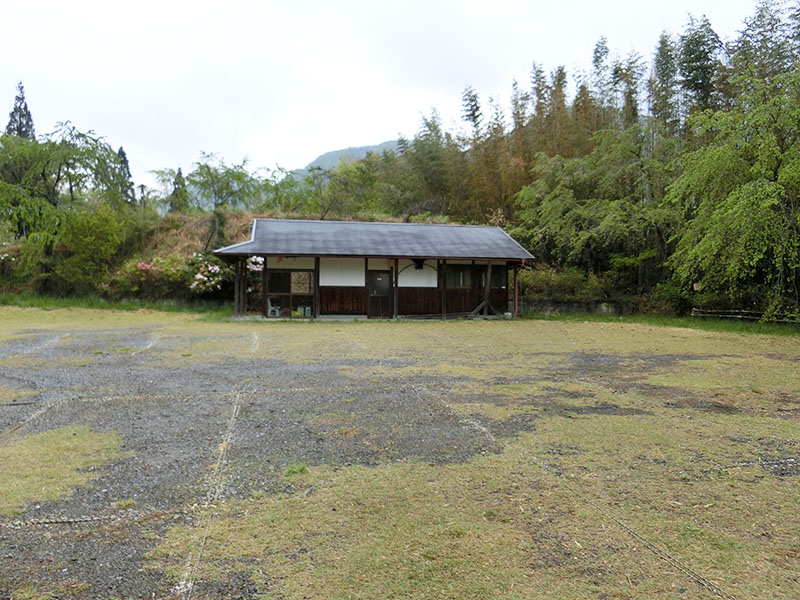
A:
[389,295]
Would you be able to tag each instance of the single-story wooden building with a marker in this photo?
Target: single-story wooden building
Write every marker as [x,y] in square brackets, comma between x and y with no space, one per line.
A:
[379,270]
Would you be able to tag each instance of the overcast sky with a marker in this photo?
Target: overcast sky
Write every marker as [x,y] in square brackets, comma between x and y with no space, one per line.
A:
[282,82]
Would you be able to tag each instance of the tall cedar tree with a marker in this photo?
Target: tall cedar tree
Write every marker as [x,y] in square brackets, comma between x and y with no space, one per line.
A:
[662,85]
[20,121]
[697,62]
[179,198]
[126,180]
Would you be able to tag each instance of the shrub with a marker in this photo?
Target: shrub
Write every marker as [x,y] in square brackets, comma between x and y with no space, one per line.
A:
[208,274]
[8,261]
[207,279]
[569,284]
[672,295]
[159,278]
[88,240]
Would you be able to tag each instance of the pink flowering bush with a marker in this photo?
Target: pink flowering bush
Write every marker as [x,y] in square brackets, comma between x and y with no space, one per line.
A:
[255,264]
[208,275]
[207,279]
[170,276]
[156,279]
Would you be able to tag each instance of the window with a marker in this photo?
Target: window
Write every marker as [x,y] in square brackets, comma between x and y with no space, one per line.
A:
[280,282]
[458,276]
[291,294]
[302,282]
[498,276]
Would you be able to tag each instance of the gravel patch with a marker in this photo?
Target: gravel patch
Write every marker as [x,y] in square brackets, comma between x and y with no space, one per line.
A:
[171,421]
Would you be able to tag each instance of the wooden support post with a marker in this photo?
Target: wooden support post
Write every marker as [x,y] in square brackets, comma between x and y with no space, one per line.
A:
[243,291]
[366,285]
[516,292]
[244,288]
[236,289]
[395,309]
[316,287]
[443,280]
[264,289]
[487,289]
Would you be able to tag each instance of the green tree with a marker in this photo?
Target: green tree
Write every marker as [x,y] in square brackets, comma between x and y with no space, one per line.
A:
[178,199]
[602,85]
[126,187]
[315,181]
[698,63]
[626,78]
[557,121]
[65,167]
[20,121]
[662,85]
[585,114]
[471,109]
[288,192]
[399,187]
[88,240]
[218,185]
[764,49]
[739,195]
[593,212]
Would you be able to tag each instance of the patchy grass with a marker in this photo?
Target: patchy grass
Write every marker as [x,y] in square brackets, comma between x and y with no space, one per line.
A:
[698,484]
[496,527]
[296,469]
[126,503]
[47,466]
[722,325]
[615,423]
[10,395]
[96,303]
[403,530]
[690,437]
[29,593]
[758,374]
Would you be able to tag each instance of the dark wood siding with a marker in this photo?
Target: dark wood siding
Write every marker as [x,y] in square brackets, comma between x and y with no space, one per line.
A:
[462,300]
[343,300]
[465,300]
[352,300]
[419,300]
[498,298]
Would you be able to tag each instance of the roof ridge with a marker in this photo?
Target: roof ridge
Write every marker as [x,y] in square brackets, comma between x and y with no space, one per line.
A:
[374,223]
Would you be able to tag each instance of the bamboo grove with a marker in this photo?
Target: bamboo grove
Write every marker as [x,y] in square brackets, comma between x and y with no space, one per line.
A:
[673,176]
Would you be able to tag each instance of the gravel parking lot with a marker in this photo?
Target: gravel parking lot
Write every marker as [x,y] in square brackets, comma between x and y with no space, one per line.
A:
[217,415]
[172,421]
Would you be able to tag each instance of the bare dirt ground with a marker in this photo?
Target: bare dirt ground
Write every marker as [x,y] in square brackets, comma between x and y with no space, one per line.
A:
[592,460]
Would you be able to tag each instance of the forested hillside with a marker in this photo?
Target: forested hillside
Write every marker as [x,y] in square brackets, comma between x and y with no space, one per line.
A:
[671,178]
[332,159]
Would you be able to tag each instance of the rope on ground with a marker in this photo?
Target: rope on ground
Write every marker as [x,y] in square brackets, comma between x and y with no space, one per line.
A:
[64,520]
[150,343]
[255,342]
[186,584]
[654,548]
[34,415]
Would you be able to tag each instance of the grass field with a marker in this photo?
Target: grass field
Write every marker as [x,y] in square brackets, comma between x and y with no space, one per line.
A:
[524,459]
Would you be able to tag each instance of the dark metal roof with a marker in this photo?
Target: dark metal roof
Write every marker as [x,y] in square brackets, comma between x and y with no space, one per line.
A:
[279,237]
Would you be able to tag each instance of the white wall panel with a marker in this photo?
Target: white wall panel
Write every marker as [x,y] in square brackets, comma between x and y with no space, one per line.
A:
[341,271]
[380,264]
[302,262]
[413,277]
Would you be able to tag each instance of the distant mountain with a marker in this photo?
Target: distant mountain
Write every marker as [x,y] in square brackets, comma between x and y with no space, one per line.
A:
[331,160]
